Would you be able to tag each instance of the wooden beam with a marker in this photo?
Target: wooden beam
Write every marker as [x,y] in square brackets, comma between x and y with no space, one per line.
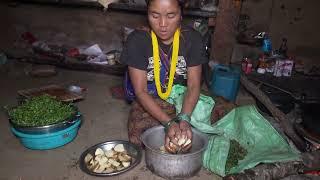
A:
[74,64]
[224,35]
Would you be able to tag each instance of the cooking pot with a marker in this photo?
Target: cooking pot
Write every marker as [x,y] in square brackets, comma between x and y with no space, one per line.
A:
[173,166]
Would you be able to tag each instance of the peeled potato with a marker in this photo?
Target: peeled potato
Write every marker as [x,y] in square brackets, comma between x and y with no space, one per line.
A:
[121,158]
[98,157]
[119,168]
[162,149]
[172,148]
[93,164]
[119,148]
[108,165]
[95,168]
[124,157]
[187,142]
[115,156]
[99,151]
[114,163]
[181,141]
[109,153]
[102,160]
[127,157]
[126,164]
[88,158]
[98,169]
[103,166]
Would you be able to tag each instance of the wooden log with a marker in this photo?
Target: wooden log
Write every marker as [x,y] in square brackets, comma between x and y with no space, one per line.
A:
[73,64]
[276,113]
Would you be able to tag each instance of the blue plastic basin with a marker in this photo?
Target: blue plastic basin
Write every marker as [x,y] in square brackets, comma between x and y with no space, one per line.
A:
[49,140]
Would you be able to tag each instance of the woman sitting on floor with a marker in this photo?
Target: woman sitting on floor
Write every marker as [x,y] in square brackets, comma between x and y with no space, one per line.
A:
[167,54]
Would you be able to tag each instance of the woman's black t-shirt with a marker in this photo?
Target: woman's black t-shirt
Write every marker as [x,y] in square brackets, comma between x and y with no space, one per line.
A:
[137,53]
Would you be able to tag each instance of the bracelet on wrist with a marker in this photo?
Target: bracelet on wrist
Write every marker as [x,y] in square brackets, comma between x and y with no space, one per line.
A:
[184,117]
[167,125]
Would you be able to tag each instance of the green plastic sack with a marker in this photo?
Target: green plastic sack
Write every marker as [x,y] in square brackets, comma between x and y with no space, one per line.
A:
[244,124]
[200,118]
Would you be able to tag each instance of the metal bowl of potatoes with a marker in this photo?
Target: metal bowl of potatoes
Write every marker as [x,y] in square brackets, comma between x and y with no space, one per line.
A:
[173,166]
[110,158]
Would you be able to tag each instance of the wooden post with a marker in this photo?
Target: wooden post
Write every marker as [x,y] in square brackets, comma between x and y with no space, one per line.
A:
[223,39]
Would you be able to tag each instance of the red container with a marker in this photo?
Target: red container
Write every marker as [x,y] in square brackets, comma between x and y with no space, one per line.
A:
[246,66]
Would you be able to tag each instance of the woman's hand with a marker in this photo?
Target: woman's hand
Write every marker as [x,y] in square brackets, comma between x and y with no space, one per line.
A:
[172,137]
[186,132]
[175,132]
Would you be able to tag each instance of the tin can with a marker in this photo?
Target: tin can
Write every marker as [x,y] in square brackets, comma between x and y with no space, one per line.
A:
[270,67]
[287,68]
[278,68]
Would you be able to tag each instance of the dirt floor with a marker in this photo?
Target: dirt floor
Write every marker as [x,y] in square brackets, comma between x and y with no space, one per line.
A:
[105,118]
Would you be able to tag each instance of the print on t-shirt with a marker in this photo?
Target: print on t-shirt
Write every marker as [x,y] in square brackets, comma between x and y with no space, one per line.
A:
[181,70]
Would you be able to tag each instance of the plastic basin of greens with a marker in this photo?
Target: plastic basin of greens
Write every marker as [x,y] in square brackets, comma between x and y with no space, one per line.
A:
[42,115]
[49,140]
[48,128]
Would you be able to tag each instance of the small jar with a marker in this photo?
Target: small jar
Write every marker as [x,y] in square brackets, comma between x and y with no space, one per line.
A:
[111,61]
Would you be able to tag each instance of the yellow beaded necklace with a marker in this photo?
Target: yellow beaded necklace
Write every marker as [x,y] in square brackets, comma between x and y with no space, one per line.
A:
[156,60]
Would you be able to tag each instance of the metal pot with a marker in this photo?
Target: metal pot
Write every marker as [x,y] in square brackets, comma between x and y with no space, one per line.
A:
[48,128]
[173,166]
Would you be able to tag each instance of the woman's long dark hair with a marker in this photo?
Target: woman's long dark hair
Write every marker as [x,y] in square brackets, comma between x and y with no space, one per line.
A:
[180,2]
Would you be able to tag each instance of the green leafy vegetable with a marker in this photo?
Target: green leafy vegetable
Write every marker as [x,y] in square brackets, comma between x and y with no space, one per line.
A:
[236,153]
[40,111]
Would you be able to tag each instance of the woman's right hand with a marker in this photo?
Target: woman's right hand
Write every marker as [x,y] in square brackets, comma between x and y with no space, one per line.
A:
[172,136]
[176,132]
[186,132]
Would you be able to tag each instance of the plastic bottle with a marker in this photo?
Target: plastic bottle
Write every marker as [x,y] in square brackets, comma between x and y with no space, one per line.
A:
[266,45]
[246,66]
[283,48]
